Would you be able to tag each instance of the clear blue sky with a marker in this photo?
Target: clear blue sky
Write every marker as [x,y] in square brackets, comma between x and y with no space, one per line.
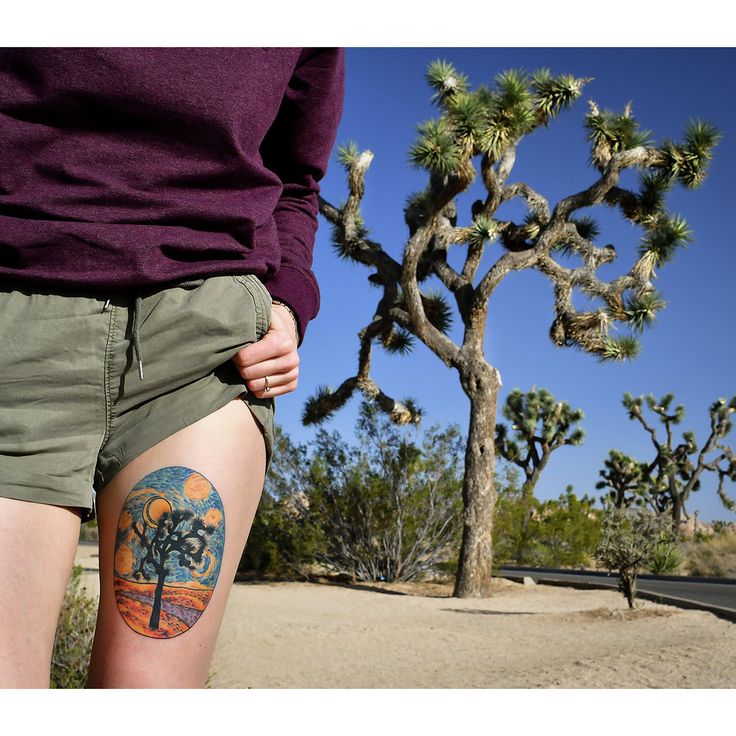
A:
[690,349]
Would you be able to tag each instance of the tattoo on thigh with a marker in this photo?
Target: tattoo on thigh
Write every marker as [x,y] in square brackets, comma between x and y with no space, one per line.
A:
[170,539]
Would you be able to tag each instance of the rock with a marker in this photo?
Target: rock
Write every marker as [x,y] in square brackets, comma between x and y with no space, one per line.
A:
[528,581]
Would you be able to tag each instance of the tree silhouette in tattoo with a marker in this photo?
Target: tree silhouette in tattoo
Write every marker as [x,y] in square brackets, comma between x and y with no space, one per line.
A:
[176,532]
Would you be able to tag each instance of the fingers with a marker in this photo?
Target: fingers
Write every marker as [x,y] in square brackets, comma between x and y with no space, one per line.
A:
[275,356]
[279,383]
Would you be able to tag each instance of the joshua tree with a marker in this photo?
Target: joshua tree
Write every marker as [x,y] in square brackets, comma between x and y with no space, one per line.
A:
[490,124]
[672,475]
[540,426]
[627,480]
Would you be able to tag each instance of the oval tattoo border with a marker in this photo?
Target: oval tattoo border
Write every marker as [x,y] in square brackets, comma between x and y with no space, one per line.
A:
[168,550]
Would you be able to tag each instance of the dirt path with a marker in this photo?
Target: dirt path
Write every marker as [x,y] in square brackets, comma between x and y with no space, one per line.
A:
[306,635]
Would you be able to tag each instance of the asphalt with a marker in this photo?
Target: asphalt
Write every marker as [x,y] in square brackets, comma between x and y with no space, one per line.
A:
[717,595]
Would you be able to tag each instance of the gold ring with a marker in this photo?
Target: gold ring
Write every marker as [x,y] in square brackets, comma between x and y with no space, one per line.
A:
[266,387]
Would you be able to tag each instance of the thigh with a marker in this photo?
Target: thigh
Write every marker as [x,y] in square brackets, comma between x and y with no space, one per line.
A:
[173,524]
[39,543]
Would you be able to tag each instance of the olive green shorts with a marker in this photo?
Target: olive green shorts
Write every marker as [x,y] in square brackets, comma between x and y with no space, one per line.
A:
[73,407]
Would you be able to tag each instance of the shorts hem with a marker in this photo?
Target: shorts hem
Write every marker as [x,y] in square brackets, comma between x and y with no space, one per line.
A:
[109,464]
[25,489]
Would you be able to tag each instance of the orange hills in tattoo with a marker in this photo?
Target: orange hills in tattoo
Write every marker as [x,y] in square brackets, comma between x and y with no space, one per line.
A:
[181,605]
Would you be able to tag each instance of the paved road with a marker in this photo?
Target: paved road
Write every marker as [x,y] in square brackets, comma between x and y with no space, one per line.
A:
[710,594]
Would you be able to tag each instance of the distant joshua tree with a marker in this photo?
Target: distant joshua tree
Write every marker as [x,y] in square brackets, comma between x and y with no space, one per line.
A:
[675,471]
[539,426]
[490,124]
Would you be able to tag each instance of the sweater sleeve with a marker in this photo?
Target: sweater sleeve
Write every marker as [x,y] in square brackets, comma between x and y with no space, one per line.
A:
[297,148]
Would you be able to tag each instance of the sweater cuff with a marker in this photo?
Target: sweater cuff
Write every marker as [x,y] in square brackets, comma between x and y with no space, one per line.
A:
[300,291]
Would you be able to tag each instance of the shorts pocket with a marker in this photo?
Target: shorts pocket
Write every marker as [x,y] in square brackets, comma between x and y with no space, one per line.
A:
[261,300]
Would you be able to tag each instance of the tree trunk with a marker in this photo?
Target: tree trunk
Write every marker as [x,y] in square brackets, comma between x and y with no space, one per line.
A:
[479,496]
[677,515]
[156,610]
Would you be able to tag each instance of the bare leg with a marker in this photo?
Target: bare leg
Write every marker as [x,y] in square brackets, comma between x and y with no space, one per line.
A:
[147,635]
[39,543]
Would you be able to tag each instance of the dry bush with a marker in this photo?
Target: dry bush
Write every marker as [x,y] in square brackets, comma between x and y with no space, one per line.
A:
[714,557]
[74,634]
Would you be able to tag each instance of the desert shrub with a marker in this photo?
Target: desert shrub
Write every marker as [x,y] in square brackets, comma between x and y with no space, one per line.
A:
[560,532]
[666,559]
[713,557]
[282,541]
[633,539]
[89,532]
[386,509]
[74,634]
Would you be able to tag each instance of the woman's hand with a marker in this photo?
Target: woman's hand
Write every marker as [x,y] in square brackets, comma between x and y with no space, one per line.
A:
[274,355]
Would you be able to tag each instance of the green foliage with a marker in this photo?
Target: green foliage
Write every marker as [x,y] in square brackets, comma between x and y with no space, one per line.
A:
[618,131]
[641,310]
[664,237]
[387,509]
[485,121]
[587,227]
[540,424]
[633,539]
[653,185]
[75,632]
[281,542]
[482,229]
[319,407]
[88,532]
[553,533]
[553,94]
[627,479]
[621,348]
[688,162]
[398,341]
[446,80]
[348,153]
[337,235]
[666,559]
[436,150]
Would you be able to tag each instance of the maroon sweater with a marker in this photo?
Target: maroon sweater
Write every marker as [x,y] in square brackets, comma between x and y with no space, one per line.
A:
[122,168]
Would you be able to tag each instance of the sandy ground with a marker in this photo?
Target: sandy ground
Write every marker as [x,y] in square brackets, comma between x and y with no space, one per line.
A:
[309,635]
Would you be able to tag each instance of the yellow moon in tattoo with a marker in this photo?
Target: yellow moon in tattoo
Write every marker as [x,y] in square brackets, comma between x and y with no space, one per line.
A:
[154,508]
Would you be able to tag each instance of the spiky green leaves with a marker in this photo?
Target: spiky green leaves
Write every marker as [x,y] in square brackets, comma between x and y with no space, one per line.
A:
[342,247]
[482,229]
[348,153]
[319,407]
[486,121]
[664,237]
[611,132]
[640,310]
[623,475]
[625,347]
[537,414]
[445,80]
[437,310]
[540,425]
[437,149]
[398,341]
[553,94]
[688,161]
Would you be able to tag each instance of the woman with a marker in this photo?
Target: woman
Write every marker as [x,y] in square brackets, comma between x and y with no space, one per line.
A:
[158,208]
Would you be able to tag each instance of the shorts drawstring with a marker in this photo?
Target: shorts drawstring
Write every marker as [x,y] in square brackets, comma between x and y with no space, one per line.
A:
[136,321]
[136,336]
